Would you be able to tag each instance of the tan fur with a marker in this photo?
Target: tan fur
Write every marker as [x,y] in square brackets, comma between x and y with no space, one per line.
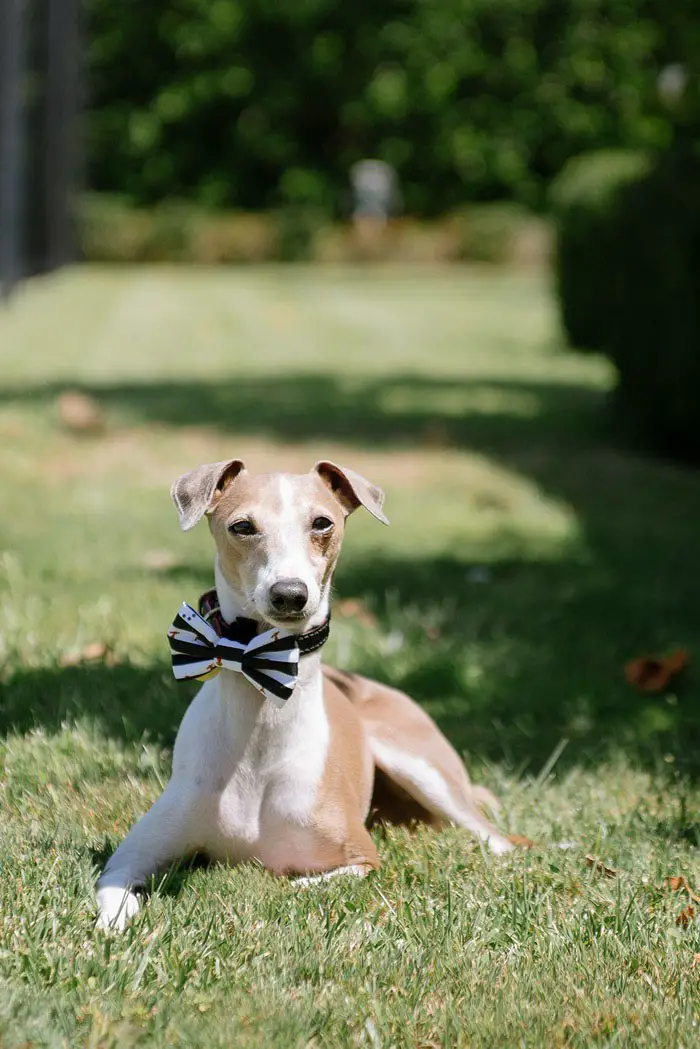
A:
[256,497]
[346,787]
[392,717]
[294,787]
[359,710]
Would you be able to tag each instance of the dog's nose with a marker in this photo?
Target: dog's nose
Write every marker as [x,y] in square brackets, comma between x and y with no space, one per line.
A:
[288,595]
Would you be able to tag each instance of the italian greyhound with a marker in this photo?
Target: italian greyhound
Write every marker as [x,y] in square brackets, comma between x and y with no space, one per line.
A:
[292,785]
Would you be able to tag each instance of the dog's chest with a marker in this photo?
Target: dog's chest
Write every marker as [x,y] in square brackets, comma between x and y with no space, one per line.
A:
[256,770]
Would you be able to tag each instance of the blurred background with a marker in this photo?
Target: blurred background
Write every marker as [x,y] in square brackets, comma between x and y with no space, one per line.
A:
[227,131]
[453,244]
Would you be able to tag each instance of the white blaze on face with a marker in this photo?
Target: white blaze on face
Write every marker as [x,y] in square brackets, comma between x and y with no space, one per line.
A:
[289,552]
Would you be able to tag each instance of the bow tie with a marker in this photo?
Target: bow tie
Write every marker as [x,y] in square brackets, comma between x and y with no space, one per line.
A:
[269,661]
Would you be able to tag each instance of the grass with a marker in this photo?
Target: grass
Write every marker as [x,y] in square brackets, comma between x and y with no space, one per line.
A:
[530,556]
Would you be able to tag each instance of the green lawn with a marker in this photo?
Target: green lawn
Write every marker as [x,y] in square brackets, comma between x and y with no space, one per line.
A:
[530,556]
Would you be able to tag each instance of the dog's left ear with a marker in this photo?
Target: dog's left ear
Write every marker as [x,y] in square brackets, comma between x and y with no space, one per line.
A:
[352,490]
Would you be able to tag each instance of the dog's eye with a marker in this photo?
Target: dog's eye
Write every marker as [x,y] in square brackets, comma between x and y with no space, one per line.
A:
[242,528]
[322,524]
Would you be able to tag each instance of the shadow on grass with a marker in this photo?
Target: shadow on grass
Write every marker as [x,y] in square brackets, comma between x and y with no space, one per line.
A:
[555,634]
[530,656]
[126,702]
[400,411]
[535,654]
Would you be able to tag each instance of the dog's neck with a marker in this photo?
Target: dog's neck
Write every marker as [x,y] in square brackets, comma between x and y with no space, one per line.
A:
[233,605]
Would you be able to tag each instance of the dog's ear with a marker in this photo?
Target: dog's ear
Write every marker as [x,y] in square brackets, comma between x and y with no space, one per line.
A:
[197,492]
[351,490]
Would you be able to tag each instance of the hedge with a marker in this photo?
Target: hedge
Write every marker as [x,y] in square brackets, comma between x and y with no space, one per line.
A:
[255,104]
[628,275]
[655,338]
[585,204]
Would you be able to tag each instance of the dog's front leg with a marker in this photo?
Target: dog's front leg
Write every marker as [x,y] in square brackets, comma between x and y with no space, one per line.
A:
[161,836]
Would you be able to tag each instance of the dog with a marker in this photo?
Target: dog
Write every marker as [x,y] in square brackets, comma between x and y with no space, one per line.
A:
[278,758]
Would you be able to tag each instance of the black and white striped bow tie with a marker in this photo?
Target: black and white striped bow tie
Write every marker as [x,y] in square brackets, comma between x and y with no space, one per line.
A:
[270,661]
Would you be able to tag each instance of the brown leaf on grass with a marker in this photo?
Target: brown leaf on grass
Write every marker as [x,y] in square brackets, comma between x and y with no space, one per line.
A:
[655,673]
[679,883]
[80,413]
[521,841]
[94,652]
[600,867]
[696,960]
[685,917]
[351,608]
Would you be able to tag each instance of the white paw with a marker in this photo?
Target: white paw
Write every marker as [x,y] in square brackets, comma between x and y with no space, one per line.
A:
[115,906]
[359,870]
[499,846]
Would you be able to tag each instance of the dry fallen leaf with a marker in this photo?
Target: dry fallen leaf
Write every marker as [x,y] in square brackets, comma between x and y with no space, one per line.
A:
[350,607]
[655,673]
[94,652]
[80,413]
[685,917]
[70,659]
[600,867]
[521,841]
[680,882]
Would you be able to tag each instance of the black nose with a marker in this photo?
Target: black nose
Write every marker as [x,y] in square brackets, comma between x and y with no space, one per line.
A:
[288,595]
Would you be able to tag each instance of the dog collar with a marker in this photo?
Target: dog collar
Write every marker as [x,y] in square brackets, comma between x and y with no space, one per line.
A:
[202,644]
[243,630]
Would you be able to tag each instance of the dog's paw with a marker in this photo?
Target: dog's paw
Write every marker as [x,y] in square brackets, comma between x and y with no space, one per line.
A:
[357,870]
[115,907]
[498,845]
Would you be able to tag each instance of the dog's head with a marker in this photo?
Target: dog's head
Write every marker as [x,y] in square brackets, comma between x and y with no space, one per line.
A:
[278,536]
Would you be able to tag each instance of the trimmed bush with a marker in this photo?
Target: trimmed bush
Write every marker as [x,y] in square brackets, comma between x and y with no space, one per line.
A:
[585,201]
[628,273]
[655,335]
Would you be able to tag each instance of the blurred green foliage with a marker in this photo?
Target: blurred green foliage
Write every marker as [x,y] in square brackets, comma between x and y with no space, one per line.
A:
[584,200]
[628,257]
[255,104]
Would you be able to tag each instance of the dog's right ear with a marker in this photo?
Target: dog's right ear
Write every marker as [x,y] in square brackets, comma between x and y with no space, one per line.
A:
[196,493]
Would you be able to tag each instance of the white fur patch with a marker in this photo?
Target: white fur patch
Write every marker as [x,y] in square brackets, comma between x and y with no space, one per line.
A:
[116,904]
[424,783]
[288,549]
[355,869]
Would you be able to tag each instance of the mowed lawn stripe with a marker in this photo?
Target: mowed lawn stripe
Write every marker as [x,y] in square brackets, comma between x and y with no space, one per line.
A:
[530,555]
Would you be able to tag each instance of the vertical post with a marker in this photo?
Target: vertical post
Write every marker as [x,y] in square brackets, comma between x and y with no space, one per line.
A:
[12,130]
[60,131]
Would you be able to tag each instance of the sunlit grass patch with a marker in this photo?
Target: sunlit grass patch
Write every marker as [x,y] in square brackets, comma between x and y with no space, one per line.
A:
[528,558]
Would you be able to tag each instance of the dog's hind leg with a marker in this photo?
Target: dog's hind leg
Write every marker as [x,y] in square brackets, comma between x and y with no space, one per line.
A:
[445,800]
[414,756]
